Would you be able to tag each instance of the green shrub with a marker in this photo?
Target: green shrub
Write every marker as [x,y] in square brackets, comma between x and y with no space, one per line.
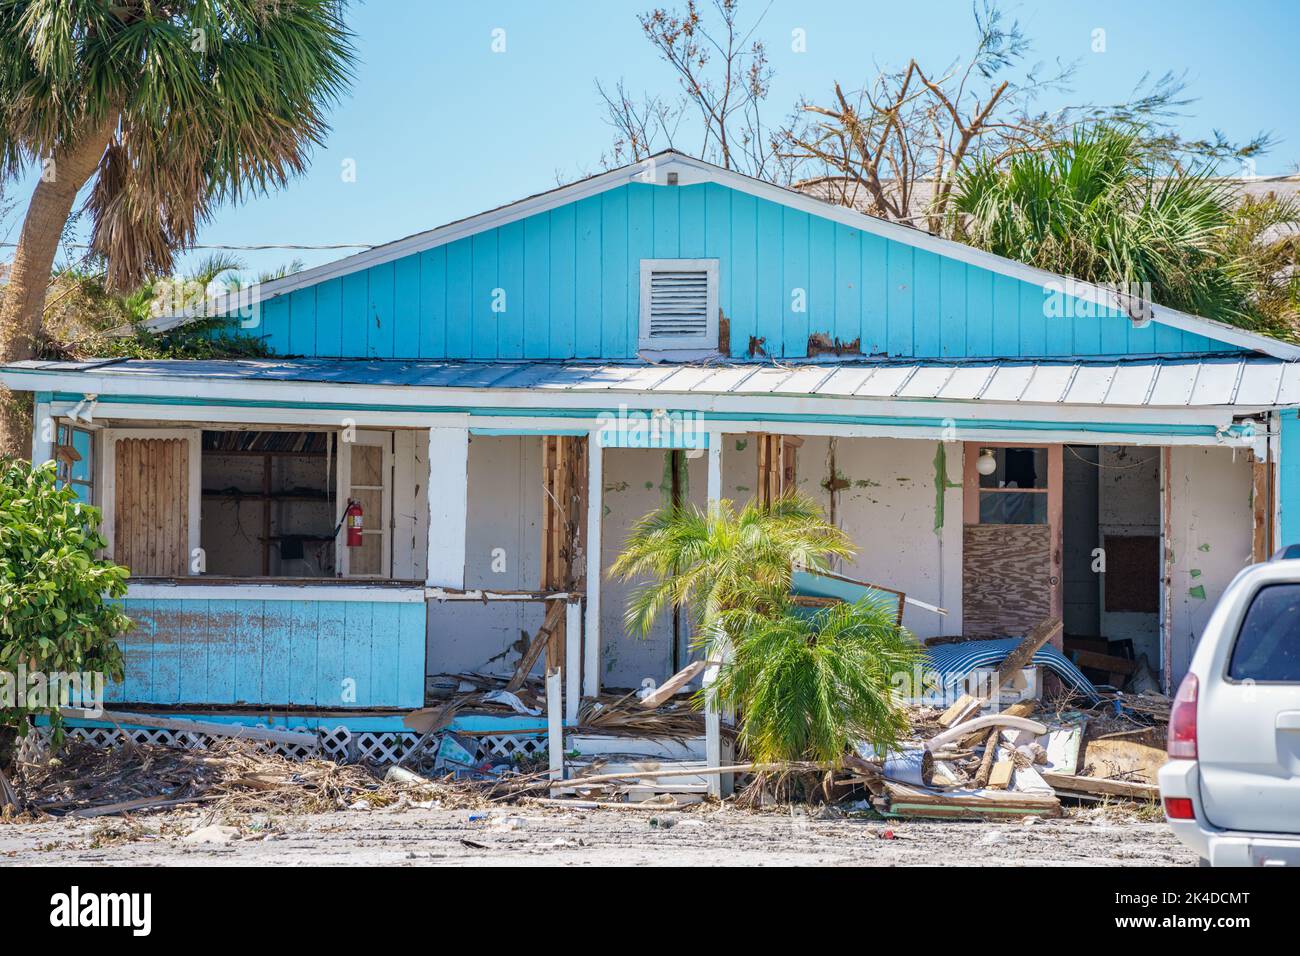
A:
[56,608]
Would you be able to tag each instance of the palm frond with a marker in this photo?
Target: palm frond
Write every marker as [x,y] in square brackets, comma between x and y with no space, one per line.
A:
[810,685]
[1096,209]
[206,101]
[709,561]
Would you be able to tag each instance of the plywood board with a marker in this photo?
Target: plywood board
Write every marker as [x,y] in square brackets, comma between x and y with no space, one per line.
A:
[151,506]
[1005,571]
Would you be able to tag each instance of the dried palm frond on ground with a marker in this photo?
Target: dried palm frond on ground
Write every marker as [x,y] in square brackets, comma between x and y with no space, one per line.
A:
[231,776]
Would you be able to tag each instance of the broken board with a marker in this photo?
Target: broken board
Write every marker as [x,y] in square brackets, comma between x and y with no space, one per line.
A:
[903,800]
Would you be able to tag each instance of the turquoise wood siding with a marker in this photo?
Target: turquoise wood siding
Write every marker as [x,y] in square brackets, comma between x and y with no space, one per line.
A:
[565,284]
[273,653]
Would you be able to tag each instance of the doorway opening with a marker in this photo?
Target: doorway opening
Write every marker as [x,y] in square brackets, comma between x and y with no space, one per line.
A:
[1111,564]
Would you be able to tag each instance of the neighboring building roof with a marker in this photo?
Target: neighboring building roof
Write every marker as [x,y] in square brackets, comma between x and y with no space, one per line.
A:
[1253,382]
[686,170]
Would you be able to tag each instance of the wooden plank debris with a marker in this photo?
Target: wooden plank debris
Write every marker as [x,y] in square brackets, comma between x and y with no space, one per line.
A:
[990,755]
[1098,786]
[1023,654]
[123,718]
[1000,778]
[695,770]
[1109,663]
[673,684]
[553,622]
[963,708]
[966,804]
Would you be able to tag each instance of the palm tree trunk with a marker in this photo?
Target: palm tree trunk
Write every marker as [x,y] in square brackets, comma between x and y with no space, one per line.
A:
[29,275]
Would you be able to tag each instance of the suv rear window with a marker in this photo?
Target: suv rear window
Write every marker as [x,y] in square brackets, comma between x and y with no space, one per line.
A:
[1268,644]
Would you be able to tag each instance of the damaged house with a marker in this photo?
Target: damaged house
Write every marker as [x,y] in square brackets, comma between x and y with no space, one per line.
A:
[422,493]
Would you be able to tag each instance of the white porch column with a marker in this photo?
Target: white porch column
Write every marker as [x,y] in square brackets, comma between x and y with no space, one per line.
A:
[720,785]
[715,469]
[595,512]
[448,506]
[554,725]
[42,433]
[572,660]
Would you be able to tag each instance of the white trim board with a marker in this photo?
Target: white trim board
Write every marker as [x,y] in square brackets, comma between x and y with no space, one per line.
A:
[689,171]
[1065,433]
[143,413]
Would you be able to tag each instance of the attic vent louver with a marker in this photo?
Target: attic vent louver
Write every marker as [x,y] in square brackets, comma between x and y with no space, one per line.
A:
[679,304]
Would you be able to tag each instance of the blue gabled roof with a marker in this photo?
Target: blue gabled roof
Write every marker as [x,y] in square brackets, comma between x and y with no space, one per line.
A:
[556,276]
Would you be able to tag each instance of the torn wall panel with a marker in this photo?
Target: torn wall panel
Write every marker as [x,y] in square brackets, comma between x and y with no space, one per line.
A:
[502,552]
[1209,537]
[637,481]
[902,507]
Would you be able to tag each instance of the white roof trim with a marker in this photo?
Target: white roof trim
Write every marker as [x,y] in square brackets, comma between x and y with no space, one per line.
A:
[689,171]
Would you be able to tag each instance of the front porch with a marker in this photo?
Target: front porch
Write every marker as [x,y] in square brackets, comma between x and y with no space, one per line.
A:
[498,504]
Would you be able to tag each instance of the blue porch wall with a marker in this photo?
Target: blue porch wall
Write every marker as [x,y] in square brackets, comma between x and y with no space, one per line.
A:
[273,653]
[571,283]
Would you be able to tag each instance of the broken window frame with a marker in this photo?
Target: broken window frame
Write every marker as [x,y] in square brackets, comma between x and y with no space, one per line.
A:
[65,436]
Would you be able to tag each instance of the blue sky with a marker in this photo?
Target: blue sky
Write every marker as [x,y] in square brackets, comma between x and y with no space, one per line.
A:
[440,127]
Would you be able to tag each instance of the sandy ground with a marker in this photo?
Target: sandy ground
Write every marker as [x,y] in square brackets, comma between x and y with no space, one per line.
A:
[526,835]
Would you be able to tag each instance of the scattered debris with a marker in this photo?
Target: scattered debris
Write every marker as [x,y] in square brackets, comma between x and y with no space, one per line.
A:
[234,776]
[1002,764]
[672,685]
[624,714]
[213,833]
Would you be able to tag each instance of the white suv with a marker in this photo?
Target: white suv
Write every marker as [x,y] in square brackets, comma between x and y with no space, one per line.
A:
[1231,788]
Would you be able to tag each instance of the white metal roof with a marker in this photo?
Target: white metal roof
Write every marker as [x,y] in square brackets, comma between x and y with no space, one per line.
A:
[1239,381]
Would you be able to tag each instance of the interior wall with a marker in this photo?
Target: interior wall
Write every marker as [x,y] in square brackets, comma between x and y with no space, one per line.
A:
[636,482]
[902,508]
[1210,523]
[899,501]
[502,552]
[231,529]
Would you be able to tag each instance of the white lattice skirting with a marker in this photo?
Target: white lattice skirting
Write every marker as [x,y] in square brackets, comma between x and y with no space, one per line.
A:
[340,743]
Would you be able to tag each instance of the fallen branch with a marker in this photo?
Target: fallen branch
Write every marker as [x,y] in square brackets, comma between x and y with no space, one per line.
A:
[8,798]
[597,804]
[580,782]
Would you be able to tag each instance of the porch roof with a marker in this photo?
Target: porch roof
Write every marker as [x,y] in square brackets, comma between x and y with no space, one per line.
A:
[1249,381]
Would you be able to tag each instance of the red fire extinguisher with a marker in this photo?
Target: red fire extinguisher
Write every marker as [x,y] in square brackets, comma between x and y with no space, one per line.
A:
[353,517]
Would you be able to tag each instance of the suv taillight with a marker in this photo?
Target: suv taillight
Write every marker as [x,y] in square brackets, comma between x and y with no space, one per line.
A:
[1182,720]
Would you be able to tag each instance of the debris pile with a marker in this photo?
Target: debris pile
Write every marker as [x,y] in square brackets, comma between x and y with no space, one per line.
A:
[475,693]
[231,776]
[972,761]
[678,718]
